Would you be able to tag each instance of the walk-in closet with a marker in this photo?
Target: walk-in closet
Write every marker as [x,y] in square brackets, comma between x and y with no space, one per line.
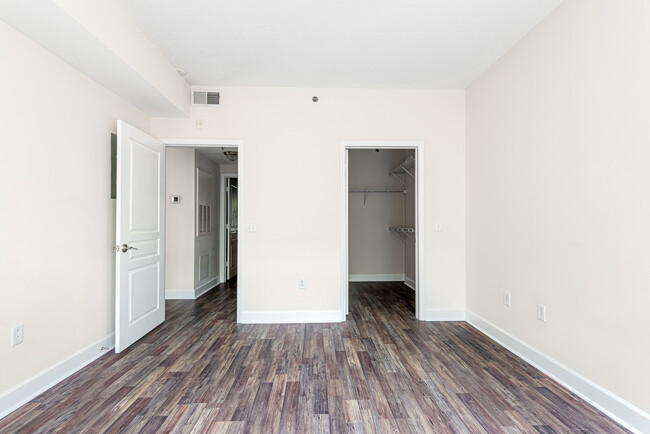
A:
[382,217]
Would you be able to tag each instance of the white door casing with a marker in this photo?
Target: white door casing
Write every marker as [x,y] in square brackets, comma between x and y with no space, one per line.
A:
[420,284]
[229,143]
[140,230]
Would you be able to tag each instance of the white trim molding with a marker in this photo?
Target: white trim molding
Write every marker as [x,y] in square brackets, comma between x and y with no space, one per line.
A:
[420,275]
[31,388]
[290,316]
[618,409]
[409,282]
[376,278]
[202,143]
[192,294]
[207,286]
[444,315]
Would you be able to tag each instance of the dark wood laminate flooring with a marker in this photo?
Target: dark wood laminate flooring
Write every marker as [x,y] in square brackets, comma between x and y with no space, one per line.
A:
[381,371]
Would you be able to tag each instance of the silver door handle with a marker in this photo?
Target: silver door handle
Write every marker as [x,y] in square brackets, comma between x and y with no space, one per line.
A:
[126,248]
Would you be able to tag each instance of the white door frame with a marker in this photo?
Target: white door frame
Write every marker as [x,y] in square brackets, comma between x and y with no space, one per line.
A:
[420,287]
[223,242]
[226,143]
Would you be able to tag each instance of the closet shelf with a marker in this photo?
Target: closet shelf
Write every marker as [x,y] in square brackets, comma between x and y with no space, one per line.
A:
[377,191]
[403,233]
[402,168]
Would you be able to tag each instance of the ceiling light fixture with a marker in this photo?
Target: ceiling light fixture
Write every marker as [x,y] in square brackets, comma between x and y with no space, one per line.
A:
[231,155]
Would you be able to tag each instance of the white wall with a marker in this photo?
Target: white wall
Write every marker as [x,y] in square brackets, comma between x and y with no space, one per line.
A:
[57,223]
[99,39]
[179,230]
[374,253]
[293,143]
[558,177]
[112,27]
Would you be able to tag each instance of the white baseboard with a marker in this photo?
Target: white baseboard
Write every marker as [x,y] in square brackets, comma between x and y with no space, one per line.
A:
[30,389]
[444,315]
[191,294]
[290,316]
[618,409]
[409,282]
[376,278]
[206,287]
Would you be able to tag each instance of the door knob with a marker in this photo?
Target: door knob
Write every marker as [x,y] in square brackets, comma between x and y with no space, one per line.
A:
[126,248]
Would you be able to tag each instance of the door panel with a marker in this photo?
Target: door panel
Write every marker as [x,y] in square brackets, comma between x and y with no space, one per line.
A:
[232,227]
[233,255]
[140,270]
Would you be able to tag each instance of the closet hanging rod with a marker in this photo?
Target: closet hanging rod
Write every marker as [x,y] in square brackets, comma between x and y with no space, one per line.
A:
[377,191]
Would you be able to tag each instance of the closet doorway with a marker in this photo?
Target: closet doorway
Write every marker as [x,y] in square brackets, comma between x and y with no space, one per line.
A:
[382,191]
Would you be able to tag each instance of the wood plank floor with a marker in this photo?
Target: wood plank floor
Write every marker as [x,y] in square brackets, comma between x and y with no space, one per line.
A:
[381,371]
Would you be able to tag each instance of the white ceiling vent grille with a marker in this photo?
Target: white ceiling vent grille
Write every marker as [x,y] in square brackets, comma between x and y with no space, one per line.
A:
[205,98]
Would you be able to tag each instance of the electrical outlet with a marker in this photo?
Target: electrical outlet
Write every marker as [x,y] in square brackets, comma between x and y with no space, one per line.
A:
[302,283]
[541,312]
[17,334]
[506,298]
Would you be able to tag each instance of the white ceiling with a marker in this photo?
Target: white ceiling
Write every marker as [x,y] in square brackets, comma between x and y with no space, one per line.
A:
[335,43]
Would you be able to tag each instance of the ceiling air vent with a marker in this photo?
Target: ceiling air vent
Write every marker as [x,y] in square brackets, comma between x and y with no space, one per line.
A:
[205,98]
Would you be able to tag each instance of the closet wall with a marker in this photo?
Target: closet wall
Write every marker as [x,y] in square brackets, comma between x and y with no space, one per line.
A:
[375,254]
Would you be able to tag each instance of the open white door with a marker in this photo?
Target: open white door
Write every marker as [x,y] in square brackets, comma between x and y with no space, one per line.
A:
[140,235]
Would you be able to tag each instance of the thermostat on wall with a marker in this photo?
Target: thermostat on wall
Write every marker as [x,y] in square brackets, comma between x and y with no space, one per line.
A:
[175,199]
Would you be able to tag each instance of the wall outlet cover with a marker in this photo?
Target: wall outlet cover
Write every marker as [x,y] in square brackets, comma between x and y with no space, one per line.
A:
[506,298]
[17,334]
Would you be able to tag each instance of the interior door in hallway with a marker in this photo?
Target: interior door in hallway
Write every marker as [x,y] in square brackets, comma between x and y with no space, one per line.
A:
[140,235]
[231,228]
